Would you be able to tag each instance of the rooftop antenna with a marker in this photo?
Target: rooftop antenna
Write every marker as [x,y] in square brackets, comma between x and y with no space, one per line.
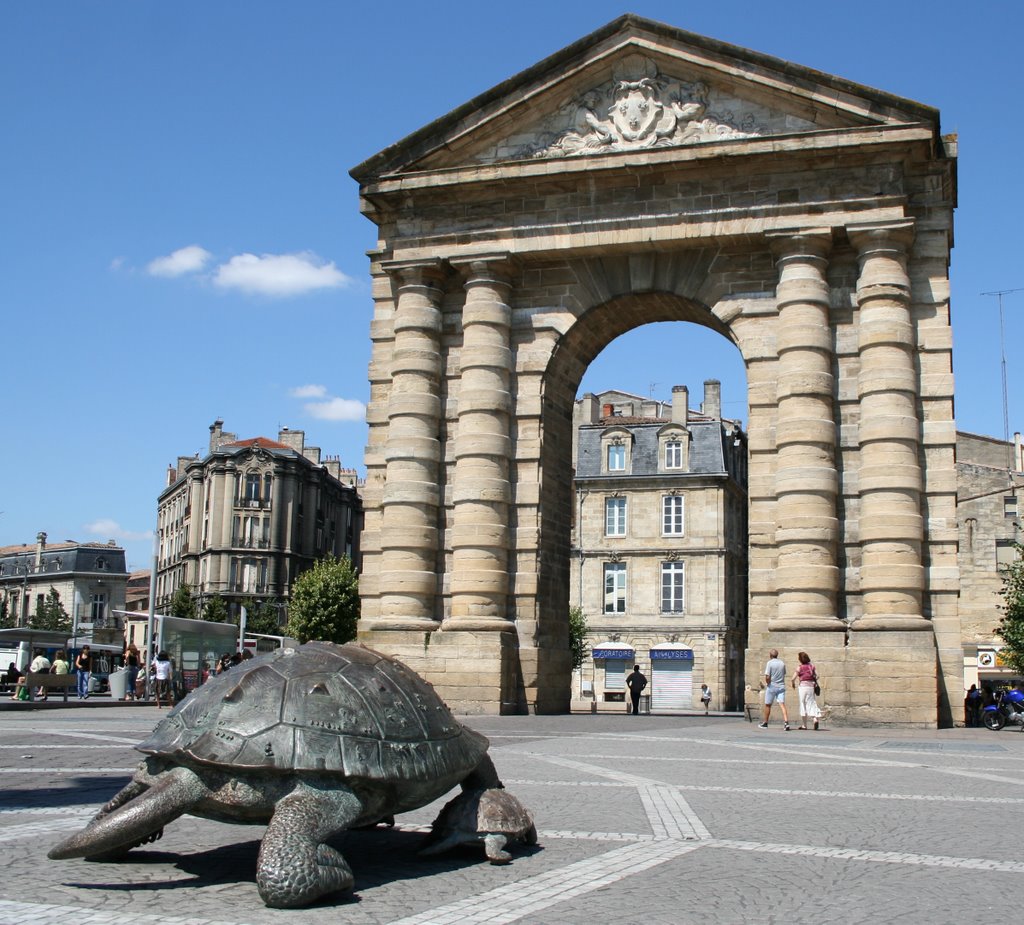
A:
[651,387]
[999,293]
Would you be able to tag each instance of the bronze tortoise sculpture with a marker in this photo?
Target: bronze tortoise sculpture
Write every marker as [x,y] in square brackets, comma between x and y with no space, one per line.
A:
[309,741]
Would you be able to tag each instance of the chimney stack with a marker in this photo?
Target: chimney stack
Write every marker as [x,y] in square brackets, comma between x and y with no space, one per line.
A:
[216,430]
[712,406]
[40,546]
[607,410]
[588,409]
[294,439]
[680,404]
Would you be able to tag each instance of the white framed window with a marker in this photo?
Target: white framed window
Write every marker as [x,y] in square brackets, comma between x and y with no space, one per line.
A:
[672,515]
[673,587]
[616,457]
[98,607]
[1010,506]
[673,454]
[615,587]
[614,516]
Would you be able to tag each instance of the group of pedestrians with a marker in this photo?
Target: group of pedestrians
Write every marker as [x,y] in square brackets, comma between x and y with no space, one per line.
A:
[805,681]
[40,664]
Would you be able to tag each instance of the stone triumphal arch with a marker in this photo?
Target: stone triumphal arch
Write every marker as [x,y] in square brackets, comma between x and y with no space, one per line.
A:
[648,174]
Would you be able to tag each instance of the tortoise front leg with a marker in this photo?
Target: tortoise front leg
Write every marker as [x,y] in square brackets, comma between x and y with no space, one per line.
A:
[295,867]
[135,814]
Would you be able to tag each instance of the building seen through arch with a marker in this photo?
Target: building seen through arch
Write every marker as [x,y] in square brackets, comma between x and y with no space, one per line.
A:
[659,556]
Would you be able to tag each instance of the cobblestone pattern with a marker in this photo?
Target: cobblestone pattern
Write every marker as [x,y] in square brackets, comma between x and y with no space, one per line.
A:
[668,820]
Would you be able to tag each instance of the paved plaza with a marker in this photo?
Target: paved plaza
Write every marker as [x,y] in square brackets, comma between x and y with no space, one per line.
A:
[641,819]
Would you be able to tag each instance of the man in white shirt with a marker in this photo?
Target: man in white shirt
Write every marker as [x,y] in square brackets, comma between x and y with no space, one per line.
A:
[775,688]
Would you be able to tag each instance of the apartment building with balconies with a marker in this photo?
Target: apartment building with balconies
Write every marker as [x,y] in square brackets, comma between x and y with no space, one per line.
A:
[245,520]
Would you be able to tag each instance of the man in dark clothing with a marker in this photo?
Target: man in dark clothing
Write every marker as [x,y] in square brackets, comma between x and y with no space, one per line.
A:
[636,682]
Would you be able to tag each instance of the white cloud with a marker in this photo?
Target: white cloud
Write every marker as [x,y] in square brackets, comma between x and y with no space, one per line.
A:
[337,409]
[279,275]
[116,264]
[111,529]
[308,391]
[189,259]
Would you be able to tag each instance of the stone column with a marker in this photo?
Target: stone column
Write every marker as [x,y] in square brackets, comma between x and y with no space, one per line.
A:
[411,499]
[481,494]
[806,481]
[890,521]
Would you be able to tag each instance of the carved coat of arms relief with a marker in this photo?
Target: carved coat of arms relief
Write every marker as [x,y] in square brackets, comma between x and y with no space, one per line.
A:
[641,108]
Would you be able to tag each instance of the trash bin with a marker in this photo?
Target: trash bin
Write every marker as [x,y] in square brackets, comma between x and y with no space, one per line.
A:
[118,683]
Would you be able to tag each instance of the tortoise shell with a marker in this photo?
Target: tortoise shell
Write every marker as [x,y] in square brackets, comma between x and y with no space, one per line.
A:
[320,708]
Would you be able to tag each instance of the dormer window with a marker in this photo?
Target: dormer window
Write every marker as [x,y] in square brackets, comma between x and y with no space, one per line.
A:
[616,450]
[674,449]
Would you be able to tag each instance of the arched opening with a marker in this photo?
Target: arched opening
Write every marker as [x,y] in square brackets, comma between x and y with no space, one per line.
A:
[651,547]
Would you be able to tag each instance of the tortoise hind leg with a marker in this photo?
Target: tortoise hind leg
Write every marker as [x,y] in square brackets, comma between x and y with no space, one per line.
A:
[494,848]
[295,867]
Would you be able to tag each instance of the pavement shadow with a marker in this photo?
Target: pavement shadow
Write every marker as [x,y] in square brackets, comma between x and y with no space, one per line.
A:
[377,857]
[87,790]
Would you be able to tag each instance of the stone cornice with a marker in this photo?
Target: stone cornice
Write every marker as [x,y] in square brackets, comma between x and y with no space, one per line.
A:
[852,140]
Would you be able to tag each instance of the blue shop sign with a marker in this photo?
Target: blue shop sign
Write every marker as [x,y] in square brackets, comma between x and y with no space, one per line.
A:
[684,654]
[612,653]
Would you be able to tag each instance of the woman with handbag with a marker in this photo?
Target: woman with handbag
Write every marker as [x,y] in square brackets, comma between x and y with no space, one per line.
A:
[805,679]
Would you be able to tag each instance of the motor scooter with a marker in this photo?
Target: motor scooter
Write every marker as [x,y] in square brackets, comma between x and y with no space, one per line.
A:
[1008,710]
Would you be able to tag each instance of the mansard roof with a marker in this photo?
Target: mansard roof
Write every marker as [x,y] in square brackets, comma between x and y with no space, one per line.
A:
[700,90]
[707,449]
[65,557]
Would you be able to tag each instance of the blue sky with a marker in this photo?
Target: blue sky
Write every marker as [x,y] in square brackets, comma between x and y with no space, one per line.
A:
[176,215]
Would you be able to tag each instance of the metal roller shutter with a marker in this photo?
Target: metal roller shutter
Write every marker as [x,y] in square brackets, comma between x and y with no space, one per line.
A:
[672,684]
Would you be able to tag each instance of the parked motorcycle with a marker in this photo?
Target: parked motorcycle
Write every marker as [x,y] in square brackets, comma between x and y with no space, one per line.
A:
[1008,710]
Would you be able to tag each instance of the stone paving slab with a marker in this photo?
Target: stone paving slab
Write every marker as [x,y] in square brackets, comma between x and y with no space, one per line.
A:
[656,819]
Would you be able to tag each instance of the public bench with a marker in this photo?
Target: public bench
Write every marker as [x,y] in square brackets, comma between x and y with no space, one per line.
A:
[51,682]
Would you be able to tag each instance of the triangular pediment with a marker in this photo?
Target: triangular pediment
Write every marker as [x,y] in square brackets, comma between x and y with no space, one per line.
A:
[636,85]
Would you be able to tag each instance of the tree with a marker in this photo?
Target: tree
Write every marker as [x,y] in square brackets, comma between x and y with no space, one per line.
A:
[261,617]
[50,614]
[1011,627]
[182,604]
[6,617]
[325,602]
[215,610]
[577,636]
